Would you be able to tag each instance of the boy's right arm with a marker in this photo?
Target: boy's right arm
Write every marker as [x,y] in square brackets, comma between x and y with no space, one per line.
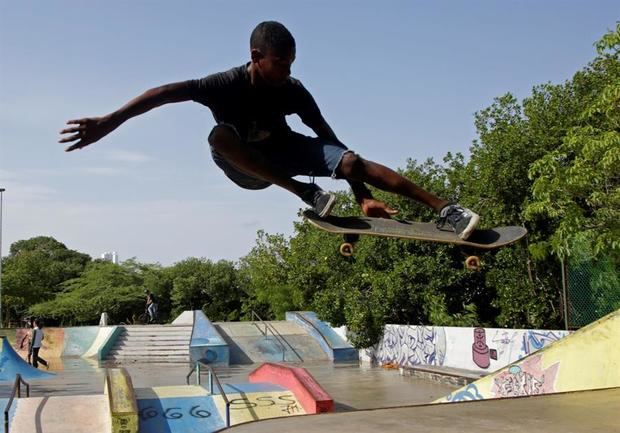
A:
[91,129]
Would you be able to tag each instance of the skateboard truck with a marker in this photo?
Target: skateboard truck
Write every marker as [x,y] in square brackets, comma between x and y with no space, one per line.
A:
[473,263]
[346,248]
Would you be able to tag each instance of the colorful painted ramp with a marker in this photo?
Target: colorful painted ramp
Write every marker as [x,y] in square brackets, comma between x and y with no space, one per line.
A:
[585,360]
[11,364]
[191,409]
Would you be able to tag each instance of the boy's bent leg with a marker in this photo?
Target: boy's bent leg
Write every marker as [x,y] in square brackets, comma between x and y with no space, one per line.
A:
[226,142]
[353,167]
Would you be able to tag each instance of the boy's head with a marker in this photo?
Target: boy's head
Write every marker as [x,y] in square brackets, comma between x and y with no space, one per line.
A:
[273,52]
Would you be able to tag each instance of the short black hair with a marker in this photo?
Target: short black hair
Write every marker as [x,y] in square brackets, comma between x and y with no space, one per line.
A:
[271,35]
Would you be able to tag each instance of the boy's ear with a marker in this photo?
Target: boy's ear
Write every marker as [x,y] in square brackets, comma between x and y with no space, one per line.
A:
[256,55]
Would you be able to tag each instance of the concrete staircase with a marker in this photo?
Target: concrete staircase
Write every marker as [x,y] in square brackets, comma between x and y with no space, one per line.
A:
[152,343]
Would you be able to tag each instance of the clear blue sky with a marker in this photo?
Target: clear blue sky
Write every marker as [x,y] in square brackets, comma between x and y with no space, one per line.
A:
[395,80]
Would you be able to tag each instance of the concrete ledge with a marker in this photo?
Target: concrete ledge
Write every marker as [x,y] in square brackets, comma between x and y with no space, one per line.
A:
[336,348]
[313,398]
[206,343]
[447,376]
[122,399]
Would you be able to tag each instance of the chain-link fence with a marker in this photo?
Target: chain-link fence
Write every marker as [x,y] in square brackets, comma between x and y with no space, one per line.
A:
[593,289]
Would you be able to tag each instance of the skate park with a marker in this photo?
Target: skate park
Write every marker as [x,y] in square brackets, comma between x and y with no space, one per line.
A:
[301,374]
[421,237]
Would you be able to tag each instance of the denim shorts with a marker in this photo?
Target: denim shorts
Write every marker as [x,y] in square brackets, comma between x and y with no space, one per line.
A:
[294,154]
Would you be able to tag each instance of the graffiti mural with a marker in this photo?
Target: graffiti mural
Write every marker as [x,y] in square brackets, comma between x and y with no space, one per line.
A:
[411,345]
[470,392]
[481,353]
[528,378]
[536,340]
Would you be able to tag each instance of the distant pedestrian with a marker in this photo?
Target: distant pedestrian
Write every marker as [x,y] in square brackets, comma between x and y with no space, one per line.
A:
[28,337]
[151,306]
[37,339]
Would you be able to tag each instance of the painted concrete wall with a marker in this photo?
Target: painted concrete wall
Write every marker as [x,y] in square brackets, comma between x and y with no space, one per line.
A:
[206,343]
[586,359]
[476,349]
[76,341]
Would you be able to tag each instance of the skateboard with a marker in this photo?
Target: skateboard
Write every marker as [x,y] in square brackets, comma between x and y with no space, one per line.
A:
[352,227]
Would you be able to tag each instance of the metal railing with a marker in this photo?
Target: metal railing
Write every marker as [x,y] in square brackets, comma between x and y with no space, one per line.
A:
[212,378]
[279,338]
[17,388]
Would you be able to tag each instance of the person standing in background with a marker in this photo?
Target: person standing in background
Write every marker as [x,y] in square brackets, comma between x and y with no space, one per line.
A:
[36,340]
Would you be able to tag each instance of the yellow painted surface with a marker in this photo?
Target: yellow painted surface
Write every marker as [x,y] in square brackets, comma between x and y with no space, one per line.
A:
[171,391]
[253,406]
[123,407]
[587,359]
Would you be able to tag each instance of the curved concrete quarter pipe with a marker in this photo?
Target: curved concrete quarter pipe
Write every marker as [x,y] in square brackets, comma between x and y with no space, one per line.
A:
[11,364]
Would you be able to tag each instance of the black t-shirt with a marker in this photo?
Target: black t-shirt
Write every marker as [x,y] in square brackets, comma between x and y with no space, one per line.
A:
[256,112]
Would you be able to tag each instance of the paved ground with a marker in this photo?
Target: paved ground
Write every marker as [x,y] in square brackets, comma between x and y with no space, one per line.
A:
[576,412]
[350,386]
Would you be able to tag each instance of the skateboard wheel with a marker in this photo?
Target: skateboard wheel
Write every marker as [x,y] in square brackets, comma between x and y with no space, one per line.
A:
[472,263]
[346,249]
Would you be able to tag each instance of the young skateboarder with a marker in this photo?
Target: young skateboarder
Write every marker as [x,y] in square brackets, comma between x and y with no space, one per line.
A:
[255,147]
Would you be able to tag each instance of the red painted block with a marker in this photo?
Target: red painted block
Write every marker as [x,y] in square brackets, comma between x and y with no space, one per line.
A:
[310,394]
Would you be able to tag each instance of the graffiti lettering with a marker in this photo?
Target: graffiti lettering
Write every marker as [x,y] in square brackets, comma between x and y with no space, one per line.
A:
[470,392]
[149,412]
[199,413]
[172,415]
[527,378]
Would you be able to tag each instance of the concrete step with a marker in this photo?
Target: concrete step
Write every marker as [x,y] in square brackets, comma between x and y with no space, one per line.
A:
[157,332]
[147,343]
[154,337]
[154,333]
[145,352]
[149,358]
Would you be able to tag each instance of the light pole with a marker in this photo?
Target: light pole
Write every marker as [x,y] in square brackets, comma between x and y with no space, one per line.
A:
[1,191]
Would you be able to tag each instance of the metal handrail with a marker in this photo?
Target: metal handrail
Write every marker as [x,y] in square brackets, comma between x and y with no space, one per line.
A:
[212,376]
[277,335]
[316,329]
[16,389]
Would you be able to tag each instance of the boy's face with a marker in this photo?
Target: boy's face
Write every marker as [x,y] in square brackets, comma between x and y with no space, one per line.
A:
[274,68]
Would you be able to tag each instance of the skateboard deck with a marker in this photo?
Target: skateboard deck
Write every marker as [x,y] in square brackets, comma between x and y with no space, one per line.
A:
[484,239]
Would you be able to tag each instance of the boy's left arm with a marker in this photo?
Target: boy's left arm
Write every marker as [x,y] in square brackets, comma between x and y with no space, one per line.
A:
[363,196]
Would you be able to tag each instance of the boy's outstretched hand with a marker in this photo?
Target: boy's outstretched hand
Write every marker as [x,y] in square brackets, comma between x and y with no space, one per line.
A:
[376,208]
[86,131]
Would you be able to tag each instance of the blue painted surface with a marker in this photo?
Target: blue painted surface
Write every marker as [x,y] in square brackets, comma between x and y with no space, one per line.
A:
[79,339]
[109,343]
[179,415]
[207,344]
[11,364]
[336,347]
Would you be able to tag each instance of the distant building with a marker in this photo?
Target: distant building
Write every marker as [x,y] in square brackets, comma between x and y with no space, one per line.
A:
[110,257]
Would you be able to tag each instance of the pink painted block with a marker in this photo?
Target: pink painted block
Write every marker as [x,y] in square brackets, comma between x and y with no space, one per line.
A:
[310,394]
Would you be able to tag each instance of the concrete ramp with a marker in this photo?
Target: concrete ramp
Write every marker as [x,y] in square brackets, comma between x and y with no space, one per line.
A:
[576,412]
[585,360]
[11,364]
[62,414]
[248,343]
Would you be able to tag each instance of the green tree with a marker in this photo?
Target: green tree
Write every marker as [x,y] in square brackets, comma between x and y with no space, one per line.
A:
[34,271]
[576,185]
[102,287]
